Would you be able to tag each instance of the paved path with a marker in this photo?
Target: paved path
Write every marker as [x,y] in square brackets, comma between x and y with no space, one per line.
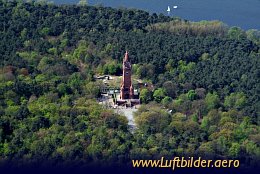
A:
[129,113]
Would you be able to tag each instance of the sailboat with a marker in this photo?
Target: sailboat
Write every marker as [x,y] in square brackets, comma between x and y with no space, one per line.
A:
[169,9]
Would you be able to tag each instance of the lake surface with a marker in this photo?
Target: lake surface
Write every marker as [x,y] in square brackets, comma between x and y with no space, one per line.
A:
[241,13]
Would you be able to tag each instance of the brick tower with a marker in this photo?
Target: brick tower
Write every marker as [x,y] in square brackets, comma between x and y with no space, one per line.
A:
[126,89]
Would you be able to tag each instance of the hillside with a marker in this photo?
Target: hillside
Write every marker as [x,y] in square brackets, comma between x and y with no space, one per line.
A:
[206,73]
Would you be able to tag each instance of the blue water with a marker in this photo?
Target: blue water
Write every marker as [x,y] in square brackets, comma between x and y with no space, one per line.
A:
[241,13]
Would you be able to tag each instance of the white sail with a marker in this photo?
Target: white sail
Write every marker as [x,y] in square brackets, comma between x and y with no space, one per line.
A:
[169,9]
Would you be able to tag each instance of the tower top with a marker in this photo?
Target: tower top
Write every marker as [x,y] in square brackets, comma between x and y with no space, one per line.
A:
[126,56]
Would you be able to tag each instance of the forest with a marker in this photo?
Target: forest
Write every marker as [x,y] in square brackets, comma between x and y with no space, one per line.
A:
[206,77]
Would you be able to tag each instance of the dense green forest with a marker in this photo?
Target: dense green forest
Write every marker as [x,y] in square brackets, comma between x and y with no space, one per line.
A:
[206,77]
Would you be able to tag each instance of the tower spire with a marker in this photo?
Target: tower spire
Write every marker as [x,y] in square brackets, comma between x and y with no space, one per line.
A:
[126,56]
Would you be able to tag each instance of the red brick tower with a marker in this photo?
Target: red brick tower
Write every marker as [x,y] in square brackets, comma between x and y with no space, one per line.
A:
[126,89]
